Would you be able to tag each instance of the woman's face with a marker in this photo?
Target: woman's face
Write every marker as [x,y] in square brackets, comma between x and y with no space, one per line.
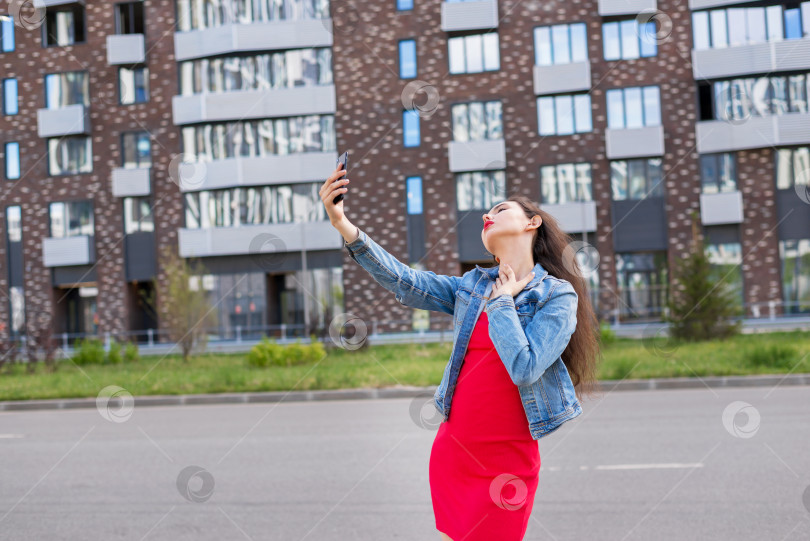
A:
[507,221]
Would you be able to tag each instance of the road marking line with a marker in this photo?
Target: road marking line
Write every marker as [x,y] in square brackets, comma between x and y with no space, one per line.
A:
[648,466]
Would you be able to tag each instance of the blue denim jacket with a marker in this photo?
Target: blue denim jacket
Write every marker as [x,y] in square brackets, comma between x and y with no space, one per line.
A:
[529,332]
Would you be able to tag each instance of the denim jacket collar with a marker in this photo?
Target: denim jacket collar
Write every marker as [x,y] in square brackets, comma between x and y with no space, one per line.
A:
[539,274]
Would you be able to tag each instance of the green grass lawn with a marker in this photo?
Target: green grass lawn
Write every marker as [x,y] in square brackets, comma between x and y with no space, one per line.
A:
[385,366]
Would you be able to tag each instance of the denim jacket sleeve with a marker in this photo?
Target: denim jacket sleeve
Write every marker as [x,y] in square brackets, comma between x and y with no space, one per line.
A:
[528,354]
[425,290]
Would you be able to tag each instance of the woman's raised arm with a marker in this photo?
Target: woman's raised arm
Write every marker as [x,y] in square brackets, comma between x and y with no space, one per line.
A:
[425,290]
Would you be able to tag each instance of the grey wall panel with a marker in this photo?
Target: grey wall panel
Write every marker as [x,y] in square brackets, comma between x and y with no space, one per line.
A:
[416,237]
[793,215]
[139,249]
[470,245]
[75,274]
[639,225]
[721,234]
[271,263]
[15,266]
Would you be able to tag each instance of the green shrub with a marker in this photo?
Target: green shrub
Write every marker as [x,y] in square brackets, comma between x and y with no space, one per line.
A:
[771,356]
[607,334]
[88,351]
[114,353]
[131,354]
[264,353]
[270,353]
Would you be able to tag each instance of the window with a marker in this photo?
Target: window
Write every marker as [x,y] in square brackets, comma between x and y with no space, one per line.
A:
[129,18]
[70,155]
[265,137]
[410,128]
[629,39]
[477,120]
[12,160]
[474,53]
[284,69]
[642,280]
[731,27]
[480,190]
[404,5]
[67,88]
[133,85]
[136,150]
[407,58]
[137,215]
[564,114]
[254,205]
[726,264]
[739,99]
[795,257]
[636,179]
[199,14]
[64,25]
[560,44]
[718,172]
[793,168]
[71,219]
[7,34]
[10,99]
[414,189]
[565,183]
[633,107]
[14,223]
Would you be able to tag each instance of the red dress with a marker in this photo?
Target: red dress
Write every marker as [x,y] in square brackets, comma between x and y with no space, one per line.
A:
[484,464]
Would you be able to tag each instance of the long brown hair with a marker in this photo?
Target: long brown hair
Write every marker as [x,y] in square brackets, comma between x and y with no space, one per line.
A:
[551,250]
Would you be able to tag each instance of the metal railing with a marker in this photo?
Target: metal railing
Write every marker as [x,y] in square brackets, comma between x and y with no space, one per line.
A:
[380,331]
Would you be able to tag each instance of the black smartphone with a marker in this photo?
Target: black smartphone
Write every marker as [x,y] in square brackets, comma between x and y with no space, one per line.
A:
[344,161]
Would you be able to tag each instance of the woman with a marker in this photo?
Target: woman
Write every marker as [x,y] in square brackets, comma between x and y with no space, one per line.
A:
[525,348]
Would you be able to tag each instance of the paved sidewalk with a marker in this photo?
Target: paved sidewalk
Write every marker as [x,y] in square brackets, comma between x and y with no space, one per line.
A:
[400,392]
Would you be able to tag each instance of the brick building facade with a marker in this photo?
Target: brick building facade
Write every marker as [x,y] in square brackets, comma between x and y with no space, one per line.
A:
[253,100]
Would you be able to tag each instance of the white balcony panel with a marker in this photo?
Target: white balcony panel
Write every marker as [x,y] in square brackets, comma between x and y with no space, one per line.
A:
[574,217]
[58,252]
[51,3]
[754,132]
[256,171]
[721,208]
[240,104]
[68,120]
[703,4]
[634,142]
[262,36]
[125,49]
[255,239]
[758,58]
[469,15]
[131,182]
[625,7]
[562,78]
[477,155]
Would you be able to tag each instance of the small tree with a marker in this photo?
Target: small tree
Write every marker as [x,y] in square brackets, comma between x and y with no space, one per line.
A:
[702,304]
[184,305]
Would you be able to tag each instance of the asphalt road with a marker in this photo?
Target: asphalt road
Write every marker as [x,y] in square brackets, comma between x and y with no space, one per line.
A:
[637,465]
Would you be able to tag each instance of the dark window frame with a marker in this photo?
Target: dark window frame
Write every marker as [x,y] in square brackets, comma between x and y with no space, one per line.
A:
[117,7]
[82,24]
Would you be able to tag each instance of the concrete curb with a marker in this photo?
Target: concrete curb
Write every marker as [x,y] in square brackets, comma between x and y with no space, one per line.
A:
[399,392]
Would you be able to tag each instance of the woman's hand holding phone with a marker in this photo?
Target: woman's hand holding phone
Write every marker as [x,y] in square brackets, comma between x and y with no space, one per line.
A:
[333,186]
